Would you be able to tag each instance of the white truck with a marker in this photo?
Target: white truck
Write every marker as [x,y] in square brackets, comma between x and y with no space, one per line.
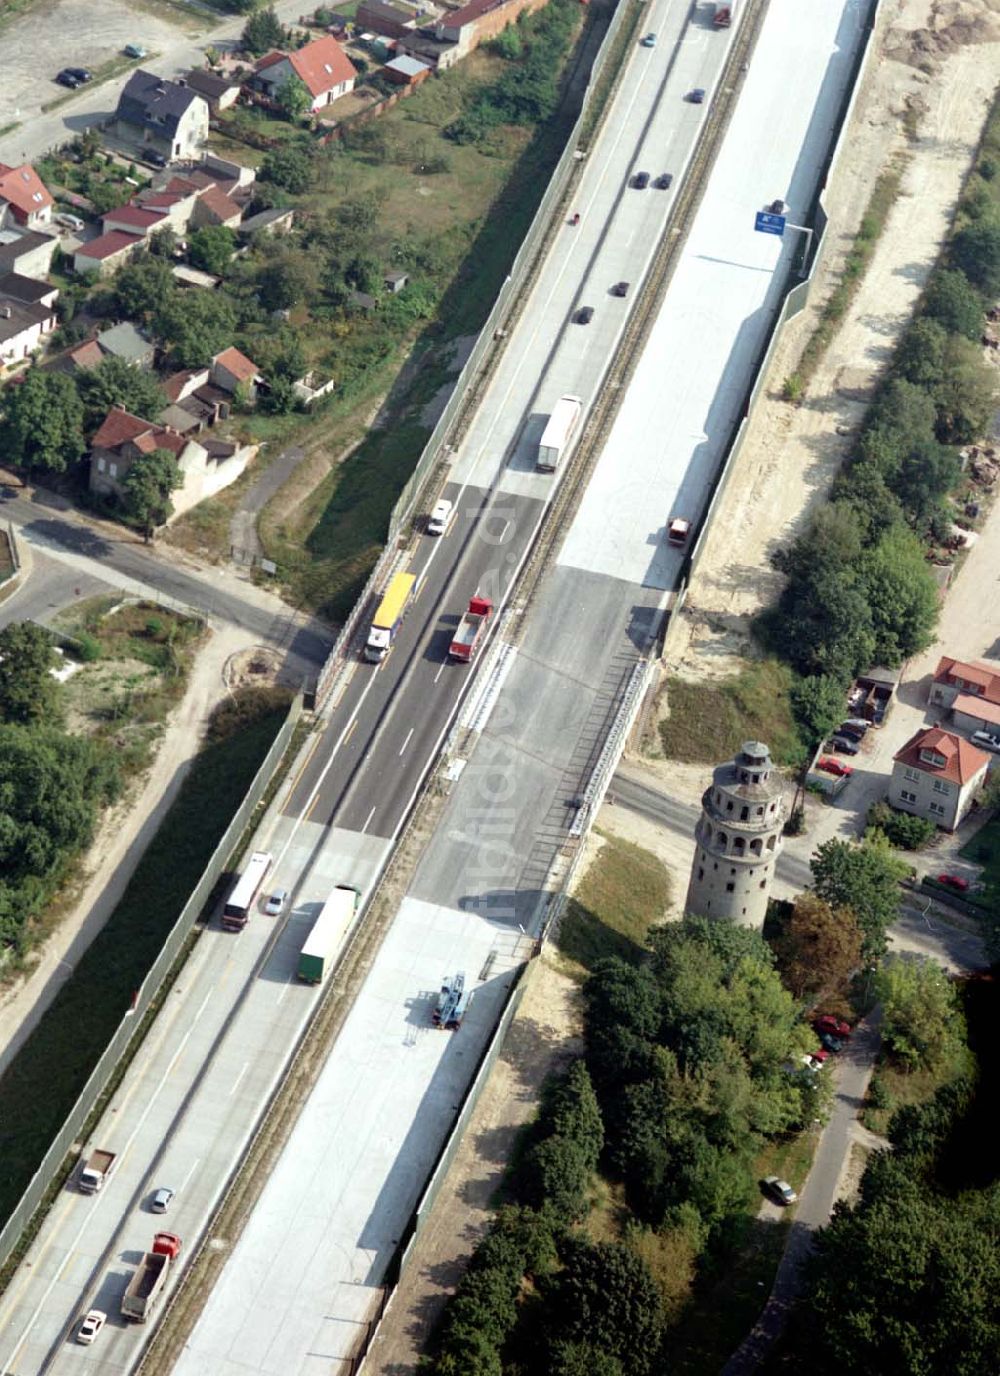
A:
[96,1169]
[558,432]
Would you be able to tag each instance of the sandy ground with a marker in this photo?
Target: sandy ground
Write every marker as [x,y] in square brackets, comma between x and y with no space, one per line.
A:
[792,451]
[543,1036]
[119,845]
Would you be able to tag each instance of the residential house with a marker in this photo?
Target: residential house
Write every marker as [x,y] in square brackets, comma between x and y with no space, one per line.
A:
[213,207]
[383,17]
[28,252]
[221,92]
[481,20]
[27,315]
[277,220]
[232,370]
[165,116]
[322,66]
[128,342]
[84,357]
[427,45]
[936,775]
[955,678]
[134,219]
[407,71]
[107,253]
[24,198]
[28,289]
[193,403]
[206,465]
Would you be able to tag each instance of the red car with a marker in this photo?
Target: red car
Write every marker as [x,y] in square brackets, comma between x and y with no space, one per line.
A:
[831,766]
[833,1027]
[953,881]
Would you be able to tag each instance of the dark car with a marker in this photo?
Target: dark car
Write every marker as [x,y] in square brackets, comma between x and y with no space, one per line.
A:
[697,96]
[640,181]
[844,745]
[81,74]
[620,289]
[664,181]
[154,158]
[66,78]
[832,1043]
[584,315]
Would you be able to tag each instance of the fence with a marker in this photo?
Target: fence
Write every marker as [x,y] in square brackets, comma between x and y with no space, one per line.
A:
[435,448]
[54,1159]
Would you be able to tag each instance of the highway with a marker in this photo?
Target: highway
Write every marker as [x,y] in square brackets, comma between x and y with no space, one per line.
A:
[305,1272]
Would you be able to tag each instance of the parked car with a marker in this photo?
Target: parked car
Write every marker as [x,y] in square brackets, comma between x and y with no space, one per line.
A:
[160,1202]
[811,1063]
[620,289]
[986,741]
[831,766]
[584,315]
[91,1326]
[664,181]
[821,1055]
[833,1044]
[67,79]
[276,903]
[437,521]
[954,881]
[779,1190]
[649,41]
[640,181]
[843,745]
[81,74]
[72,222]
[852,729]
[835,1027]
[154,158]
[135,50]
[697,96]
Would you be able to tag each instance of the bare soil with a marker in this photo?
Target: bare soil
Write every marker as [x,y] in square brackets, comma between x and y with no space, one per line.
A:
[935,70]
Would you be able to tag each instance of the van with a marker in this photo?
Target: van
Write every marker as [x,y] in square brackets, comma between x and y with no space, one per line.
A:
[437,521]
[72,222]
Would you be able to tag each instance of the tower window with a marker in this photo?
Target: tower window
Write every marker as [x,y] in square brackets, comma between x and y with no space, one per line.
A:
[730,888]
[701,875]
[763,883]
[732,871]
[744,813]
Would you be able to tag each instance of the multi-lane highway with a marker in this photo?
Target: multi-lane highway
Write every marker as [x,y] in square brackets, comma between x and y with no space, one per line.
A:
[301,1278]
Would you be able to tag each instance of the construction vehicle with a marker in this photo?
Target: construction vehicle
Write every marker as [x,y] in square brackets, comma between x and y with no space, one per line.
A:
[96,1170]
[470,628]
[146,1285]
[451,1003]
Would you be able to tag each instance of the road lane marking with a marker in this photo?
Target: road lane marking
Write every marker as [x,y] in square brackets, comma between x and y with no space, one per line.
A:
[350,731]
[407,741]
[367,820]
[194,1166]
[236,1082]
[285,988]
[444,665]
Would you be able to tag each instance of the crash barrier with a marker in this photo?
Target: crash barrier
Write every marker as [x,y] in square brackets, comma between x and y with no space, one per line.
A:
[490,336]
[54,1161]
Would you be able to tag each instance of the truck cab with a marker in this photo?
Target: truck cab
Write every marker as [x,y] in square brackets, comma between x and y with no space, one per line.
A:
[678,531]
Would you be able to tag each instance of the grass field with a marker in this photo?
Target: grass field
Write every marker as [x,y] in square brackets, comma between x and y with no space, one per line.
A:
[624,892]
[45,1077]
[709,721]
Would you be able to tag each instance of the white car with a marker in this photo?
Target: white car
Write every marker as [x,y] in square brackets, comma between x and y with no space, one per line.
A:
[986,741]
[276,903]
[437,521]
[72,222]
[160,1202]
[91,1326]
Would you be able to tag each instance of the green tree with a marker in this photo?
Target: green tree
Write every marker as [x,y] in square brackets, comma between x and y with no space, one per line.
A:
[964,394]
[146,489]
[163,243]
[574,1113]
[922,1022]
[901,828]
[554,1175]
[283,282]
[290,167]
[143,288]
[865,880]
[925,474]
[115,382]
[920,356]
[28,692]
[43,424]
[819,949]
[294,98]
[818,705]
[196,326]
[903,417]
[976,250]
[901,594]
[606,1297]
[262,32]
[954,302]
[211,248]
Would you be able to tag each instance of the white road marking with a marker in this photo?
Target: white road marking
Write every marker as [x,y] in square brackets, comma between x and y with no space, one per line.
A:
[194,1166]
[407,741]
[367,820]
[236,1082]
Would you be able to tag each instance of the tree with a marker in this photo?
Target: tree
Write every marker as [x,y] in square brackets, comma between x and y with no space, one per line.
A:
[115,382]
[920,356]
[284,281]
[294,98]
[901,828]
[606,1297]
[865,880]
[143,288]
[28,692]
[976,250]
[43,425]
[818,705]
[964,394]
[211,248]
[926,472]
[901,594]
[289,166]
[574,1113]
[555,1175]
[163,243]
[901,418]
[147,487]
[954,302]
[262,32]
[922,1022]
[196,326]
[819,949]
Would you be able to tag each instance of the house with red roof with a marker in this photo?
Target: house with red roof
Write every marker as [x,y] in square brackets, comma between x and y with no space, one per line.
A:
[955,678]
[232,370]
[206,465]
[322,66]
[24,199]
[936,775]
[134,219]
[107,253]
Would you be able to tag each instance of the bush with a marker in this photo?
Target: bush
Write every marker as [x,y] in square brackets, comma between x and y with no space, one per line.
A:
[902,829]
[88,647]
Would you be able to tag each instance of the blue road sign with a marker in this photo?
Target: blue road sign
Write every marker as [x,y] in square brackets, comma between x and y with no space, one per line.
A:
[766,223]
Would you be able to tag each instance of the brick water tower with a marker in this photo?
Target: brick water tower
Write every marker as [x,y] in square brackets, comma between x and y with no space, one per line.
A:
[738,839]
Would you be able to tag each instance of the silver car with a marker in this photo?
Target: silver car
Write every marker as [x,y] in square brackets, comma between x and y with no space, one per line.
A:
[160,1202]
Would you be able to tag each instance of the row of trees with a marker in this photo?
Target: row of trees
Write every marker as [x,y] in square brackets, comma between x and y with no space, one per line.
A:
[52,785]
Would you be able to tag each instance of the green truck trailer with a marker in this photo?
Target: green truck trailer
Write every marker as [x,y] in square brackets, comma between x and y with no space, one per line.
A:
[328,931]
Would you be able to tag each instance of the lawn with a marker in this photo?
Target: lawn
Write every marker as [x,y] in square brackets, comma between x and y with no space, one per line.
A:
[710,720]
[623,893]
[63,1049]
[984,849]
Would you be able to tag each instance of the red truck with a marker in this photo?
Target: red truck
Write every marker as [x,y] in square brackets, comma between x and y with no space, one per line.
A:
[470,629]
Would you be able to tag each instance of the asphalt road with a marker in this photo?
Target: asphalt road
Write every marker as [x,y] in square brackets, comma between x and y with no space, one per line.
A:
[91,551]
